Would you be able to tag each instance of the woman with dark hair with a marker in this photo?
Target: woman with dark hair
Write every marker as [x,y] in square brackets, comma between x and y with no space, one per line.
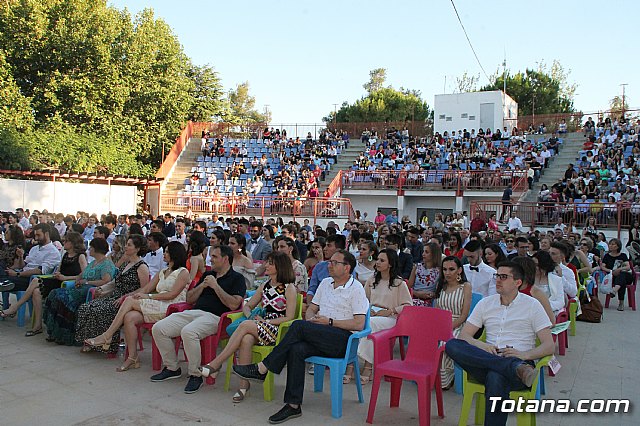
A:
[61,305]
[150,303]
[14,239]
[424,276]
[241,262]
[95,317]
[195,259]
[278,298]
[216,239]
[455,246]
[135,229]
[71,266]
[618,264]
[354,240]
[316,254]
[365,268]
[288,246]
[268,233]
[548,282]
[453,293]
[493,255]
[388,294]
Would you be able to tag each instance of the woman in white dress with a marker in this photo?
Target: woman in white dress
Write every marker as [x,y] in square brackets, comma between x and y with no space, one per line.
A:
[388,294]
[365,267]
[170,286]
[241,261]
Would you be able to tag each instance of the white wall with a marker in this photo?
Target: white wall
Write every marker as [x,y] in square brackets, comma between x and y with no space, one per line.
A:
[464,111]
[64,197]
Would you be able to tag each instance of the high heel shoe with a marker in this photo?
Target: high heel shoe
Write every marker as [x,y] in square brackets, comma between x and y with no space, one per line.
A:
[206,370]
[106,344]
[135,363]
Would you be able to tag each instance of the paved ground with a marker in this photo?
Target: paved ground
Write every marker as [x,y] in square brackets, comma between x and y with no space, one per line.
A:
[41,382]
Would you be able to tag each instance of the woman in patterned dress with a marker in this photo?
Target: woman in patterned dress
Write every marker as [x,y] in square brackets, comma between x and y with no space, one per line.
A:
[170,286]
[95,317]
[453,293]
[278,297]
[424,276]
[61,305]
[287,246]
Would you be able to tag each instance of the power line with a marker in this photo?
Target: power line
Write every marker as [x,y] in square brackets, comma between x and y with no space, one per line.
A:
[470,45]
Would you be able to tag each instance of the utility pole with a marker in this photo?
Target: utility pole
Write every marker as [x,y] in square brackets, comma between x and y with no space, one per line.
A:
[624,85]
[335,114]
[266,113]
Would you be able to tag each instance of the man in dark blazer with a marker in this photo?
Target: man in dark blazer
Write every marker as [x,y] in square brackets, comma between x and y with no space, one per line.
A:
[257,246]
[405,259]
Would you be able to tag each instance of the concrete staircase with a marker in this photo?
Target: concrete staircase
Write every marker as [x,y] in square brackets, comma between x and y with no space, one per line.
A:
[183,167]
[558,164]
[345,161]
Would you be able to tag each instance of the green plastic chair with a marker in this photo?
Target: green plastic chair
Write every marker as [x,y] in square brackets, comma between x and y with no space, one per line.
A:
[261,352]
[471,388]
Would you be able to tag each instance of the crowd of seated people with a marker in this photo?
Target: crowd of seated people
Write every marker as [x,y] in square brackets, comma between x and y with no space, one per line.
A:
[209,263]
[603,180]
[270,166]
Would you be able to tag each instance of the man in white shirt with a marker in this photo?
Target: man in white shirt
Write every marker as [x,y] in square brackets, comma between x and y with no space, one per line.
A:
[23,220]
[155,258]
[42,259]
[59,224]
[479,274]
[338,308]
[514,223]
[505,362]
[180,235]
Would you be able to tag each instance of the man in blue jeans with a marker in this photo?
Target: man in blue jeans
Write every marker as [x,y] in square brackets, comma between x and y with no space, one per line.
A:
[512,321]
[338,308]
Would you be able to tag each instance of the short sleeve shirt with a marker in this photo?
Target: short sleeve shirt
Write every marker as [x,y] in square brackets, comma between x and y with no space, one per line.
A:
[343,302]
[514,325]
[232,283]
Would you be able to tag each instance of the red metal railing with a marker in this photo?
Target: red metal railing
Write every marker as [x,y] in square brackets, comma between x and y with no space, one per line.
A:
[457,180]
[266,206]
[612,216]
[335,187]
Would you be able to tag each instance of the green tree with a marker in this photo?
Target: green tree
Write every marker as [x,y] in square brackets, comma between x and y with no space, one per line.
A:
[467,83]
[539,91]
[616,107]
[242,107]
[206,94]
[377,78]
[14,108]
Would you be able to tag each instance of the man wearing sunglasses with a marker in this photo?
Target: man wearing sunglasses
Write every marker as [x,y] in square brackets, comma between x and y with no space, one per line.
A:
[339,307]
[505,361]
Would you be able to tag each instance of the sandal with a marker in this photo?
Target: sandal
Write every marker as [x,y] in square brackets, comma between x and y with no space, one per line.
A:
[5,315]
[94,343]
[240,395]
[86,349]
[207,370]
[365,379]
[348,375]
[32,333]
[135,363]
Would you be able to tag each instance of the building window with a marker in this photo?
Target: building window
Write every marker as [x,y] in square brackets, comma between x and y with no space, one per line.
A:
[465,115]
[448,119]
[472,118]
[441,116]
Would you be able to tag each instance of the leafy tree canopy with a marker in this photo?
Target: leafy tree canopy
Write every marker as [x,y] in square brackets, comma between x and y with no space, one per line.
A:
[88,72]
[383,104]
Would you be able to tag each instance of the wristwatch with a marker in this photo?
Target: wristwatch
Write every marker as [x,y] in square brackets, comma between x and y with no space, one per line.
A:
[331,322]
[18,274]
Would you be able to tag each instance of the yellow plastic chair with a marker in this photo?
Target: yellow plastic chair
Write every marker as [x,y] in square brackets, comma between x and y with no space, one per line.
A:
[573,308]
[261,352]
[471,388]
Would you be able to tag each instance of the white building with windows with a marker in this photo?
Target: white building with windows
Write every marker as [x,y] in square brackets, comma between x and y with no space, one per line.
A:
[474,110]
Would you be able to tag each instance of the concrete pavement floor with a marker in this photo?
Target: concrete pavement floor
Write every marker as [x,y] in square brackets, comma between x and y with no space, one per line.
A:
[45,383]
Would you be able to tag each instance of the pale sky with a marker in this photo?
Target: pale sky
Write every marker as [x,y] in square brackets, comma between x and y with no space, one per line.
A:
[301,57]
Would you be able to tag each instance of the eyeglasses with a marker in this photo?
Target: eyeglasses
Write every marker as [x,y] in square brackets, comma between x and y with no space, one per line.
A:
[336,262]
[510,241]
[502,277]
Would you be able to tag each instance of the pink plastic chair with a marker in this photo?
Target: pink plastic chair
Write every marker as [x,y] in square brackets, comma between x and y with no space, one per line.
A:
[422,360]
[631,291]
[563,338]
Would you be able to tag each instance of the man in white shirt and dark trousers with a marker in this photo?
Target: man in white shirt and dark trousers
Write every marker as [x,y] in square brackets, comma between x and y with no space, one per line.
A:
[479,274]
[505,362]
[338,308]
[156,241]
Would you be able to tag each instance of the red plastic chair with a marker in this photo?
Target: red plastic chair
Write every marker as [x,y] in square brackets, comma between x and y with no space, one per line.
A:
[631,291]
[421,363]
[563,338]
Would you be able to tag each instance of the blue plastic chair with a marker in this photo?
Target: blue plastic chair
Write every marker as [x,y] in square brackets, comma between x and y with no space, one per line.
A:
[457,370]
[22,310]
[337,368]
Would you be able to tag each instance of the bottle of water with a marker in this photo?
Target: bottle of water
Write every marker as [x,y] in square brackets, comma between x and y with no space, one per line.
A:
[122,350]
